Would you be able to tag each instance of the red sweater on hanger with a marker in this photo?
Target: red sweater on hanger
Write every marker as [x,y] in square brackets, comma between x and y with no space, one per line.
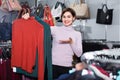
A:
[27,37]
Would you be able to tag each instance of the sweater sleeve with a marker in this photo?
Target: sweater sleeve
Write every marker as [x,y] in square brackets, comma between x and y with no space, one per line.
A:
[77,45]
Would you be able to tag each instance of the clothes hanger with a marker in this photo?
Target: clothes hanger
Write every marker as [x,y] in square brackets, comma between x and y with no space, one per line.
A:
[23,12]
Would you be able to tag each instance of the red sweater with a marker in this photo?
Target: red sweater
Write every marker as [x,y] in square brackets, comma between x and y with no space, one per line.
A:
[27,37]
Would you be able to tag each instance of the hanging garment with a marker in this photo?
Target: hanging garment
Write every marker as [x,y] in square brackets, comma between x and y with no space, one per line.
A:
[47,49]
[47,54]
[5,53]
[27,36]
[34,74]
[5,29]
[0,2]
[39,11]
[100,73]
[48,16]
[6,71]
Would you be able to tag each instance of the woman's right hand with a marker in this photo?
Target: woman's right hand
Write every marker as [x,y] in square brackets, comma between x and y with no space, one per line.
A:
[69,41]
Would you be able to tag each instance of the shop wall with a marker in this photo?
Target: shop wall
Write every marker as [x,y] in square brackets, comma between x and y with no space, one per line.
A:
[92,30]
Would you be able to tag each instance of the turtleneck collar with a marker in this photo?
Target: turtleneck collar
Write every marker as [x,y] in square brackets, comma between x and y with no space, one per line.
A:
[68,27]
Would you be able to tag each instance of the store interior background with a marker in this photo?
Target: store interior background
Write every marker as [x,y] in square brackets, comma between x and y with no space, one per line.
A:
[92,30]
[89,27]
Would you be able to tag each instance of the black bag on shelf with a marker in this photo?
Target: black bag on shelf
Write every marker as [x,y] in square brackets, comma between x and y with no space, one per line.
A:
[104,17]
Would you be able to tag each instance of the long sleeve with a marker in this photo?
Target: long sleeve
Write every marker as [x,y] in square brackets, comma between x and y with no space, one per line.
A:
[77,45]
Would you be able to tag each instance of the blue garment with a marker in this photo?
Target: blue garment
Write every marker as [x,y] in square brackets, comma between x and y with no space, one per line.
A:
[5,31]
[6,24]
[77,75]
[63,77]
[10,16]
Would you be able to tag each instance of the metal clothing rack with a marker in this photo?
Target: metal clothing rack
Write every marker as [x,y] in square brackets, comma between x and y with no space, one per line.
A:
[106,32]
[104,56]
[5,53]
[5,44]
[83,28]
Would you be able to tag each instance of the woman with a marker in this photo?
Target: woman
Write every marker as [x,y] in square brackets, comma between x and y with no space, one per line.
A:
[66,42]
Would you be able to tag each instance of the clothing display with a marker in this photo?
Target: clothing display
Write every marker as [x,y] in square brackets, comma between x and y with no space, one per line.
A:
[38,43]
[108,61]
[34,74]
[26,38]
[6,72]
[47,55]
[101,73]
[93,46]
[47,49]
[104,56]
[5,31]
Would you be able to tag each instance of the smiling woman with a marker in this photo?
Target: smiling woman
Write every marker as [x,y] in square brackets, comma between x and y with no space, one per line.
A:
[68,16]
[66,42]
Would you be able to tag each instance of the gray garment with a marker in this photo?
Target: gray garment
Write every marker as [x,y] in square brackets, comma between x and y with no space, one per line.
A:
[10,16]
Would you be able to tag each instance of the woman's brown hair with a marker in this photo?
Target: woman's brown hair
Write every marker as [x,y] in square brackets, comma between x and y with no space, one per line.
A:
[68,10]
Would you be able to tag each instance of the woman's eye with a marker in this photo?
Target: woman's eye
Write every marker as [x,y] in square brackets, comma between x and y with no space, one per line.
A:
[69,16]
[66,16]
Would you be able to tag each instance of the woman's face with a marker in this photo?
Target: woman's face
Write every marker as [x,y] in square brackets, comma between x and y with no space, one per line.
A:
[67,19]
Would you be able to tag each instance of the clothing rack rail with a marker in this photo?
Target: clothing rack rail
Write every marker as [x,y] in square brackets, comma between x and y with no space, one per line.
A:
[5,44]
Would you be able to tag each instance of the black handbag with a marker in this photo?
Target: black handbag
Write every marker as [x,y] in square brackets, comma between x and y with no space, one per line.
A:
[5,30]
[104,17]
[39,11]
[60,3]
